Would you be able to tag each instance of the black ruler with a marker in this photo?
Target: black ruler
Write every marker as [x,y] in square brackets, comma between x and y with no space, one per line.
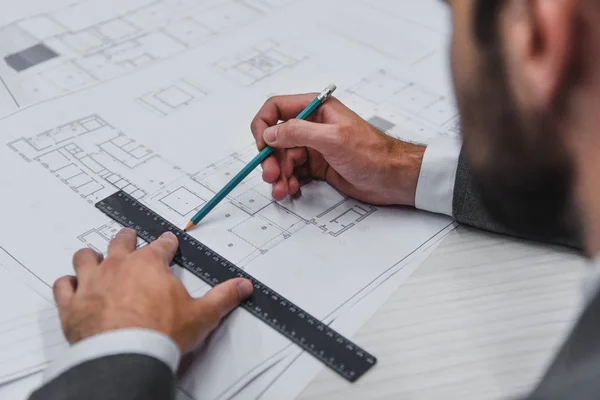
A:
[328,346]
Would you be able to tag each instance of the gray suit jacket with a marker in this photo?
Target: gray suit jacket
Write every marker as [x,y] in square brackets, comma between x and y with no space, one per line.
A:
[119,377]
[574,374]
[467,209]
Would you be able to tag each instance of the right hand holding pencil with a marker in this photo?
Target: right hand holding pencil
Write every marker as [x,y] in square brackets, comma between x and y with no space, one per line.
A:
[337,146]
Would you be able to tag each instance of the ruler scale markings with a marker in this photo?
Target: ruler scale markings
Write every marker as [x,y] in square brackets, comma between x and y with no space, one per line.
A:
[332,349]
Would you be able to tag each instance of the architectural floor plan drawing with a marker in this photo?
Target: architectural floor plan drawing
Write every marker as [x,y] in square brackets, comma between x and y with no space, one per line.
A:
[168,99]
[46,55]
[262,61]
[258,222]
[88,159]
[402,108]
[94,159]
[155,98]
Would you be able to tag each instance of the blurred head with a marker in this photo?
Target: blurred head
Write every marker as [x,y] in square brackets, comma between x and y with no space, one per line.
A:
[517,66]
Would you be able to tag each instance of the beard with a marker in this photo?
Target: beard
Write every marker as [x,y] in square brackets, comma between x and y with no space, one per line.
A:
[520,167]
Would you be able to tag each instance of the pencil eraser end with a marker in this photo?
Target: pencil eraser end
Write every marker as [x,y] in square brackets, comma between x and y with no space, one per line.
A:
[331,88]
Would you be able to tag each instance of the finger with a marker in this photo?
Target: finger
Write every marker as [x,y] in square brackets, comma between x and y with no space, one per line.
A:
[275,109]
[271,170]
[325,138]
[87,256]
[165,246]
[64,290]
[123,243]
[291,159]
[222,299]
[275,169]
[286,164]
[84,260]
[280,189]
[293,186]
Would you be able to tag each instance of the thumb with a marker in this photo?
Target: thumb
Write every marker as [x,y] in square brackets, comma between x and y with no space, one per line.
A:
[300,133]
[222,299]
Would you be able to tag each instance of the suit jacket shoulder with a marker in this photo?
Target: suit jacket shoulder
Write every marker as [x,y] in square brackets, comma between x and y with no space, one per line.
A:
[467,208]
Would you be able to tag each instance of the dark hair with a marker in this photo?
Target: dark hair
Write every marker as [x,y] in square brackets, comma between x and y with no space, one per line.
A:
[486,18]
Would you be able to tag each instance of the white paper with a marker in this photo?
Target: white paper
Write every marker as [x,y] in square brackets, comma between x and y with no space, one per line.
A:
[30,331]
[156,99]
[289,377]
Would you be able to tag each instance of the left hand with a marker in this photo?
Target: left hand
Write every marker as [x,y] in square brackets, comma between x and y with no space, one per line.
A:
[135,289]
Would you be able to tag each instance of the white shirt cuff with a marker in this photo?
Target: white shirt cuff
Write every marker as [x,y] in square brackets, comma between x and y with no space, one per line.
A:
[435,188]
[126,341]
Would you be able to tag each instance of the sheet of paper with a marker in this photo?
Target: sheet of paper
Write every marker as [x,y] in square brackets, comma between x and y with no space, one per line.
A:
[30,332]
[286,374]
[288,378]
[155,99]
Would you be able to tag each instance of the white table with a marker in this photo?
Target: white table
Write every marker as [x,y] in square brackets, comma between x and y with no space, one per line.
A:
[480,319]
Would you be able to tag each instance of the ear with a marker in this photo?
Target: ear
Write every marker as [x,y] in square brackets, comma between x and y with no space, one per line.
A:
[548,46]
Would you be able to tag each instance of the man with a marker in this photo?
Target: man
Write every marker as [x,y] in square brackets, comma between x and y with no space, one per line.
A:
[527,79]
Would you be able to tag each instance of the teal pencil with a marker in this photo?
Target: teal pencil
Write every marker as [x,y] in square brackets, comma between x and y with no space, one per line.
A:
[262,156]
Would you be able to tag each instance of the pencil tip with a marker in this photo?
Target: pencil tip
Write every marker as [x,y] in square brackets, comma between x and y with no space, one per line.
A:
[189,226]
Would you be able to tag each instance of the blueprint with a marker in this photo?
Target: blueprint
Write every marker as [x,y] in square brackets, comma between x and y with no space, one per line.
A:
[93,159]
[155,98]
[88,42]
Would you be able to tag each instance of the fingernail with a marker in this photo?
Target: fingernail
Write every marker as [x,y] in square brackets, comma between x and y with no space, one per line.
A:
[169,236]
[244,289]
[270,134]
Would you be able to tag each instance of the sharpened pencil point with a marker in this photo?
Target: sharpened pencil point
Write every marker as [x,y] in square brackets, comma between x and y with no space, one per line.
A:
[189,226]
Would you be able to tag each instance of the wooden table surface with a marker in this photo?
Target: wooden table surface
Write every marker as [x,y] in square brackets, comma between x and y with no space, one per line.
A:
[480,319]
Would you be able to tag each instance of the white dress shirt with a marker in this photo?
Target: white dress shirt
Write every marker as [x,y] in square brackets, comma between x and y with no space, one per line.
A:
[435,190]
